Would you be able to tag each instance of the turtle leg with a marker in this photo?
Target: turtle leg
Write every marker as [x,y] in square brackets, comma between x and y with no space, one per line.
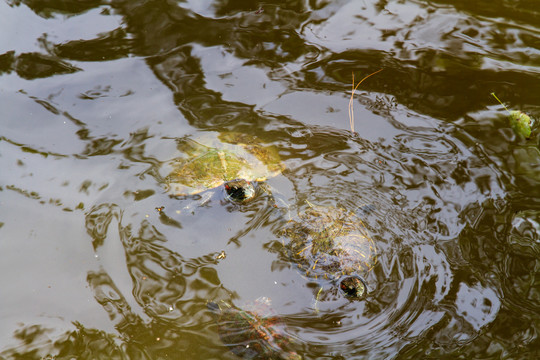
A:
[279,201]
[366,208]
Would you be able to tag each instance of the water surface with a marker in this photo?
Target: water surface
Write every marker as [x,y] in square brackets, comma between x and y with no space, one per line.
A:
[99,261]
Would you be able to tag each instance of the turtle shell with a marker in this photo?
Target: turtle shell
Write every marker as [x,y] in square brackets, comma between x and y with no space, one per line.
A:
[330,243]
[212,160]
[254,332]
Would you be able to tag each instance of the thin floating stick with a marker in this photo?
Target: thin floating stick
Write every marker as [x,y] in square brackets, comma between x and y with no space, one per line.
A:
[351,108]
[500,102]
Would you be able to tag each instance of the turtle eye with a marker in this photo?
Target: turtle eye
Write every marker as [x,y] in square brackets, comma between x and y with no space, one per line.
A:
[235,193]
[353,287]
[349,291]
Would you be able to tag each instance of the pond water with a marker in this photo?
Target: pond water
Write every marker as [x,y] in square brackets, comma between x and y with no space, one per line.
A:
[100,261]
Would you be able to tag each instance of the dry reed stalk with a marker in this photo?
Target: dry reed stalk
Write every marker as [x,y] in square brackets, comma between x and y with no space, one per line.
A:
[351,109]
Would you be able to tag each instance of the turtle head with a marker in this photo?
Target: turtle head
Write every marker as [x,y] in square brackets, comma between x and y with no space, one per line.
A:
[353,287]
[239,191]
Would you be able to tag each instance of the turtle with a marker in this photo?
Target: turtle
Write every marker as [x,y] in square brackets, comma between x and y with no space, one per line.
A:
[235,160]
[253,332]
[331,243]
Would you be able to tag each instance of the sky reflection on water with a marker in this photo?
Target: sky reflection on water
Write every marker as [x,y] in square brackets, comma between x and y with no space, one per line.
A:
[95,94]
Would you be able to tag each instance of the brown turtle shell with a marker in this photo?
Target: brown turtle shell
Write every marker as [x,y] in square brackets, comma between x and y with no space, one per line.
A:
[253,332]
[329,243]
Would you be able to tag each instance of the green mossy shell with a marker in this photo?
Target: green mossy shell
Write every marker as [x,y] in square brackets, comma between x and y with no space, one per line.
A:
[329,242]
[209,161]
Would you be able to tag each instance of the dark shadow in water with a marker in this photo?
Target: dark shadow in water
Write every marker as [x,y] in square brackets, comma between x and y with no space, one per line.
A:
[48,9]
[490,252]
[31,66]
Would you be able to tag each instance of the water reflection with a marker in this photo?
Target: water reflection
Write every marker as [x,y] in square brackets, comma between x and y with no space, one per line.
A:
[414,291]
[165,286]
[455,192]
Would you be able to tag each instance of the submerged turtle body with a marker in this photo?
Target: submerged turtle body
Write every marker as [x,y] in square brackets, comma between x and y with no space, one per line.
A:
[213,160]
[254,332]
[332,243]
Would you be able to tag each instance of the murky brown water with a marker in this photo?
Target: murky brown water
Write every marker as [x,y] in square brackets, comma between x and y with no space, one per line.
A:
[95,94]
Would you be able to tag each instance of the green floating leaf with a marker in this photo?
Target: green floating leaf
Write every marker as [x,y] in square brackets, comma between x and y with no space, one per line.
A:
[521,123]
